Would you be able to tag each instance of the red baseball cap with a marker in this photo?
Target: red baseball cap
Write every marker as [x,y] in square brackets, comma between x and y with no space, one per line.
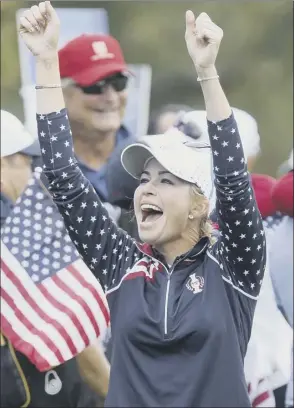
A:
[90,58]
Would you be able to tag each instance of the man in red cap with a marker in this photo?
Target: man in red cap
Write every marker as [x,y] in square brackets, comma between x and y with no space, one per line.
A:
[95,76]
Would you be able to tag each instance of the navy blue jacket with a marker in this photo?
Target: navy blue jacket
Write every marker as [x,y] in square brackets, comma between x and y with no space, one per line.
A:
[179,334]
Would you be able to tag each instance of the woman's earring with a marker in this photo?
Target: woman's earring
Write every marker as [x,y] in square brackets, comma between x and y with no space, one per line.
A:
[191,217]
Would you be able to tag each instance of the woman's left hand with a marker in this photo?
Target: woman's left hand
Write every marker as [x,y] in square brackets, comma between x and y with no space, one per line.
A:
[203,39]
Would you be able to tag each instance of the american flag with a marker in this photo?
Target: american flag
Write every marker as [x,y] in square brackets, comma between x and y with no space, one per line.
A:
[52,306]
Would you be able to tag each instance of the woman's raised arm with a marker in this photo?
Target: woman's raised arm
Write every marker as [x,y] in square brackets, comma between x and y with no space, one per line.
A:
[240,251]
[106,250]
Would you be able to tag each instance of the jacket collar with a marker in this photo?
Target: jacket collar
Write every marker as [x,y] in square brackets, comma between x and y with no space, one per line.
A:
[189,257]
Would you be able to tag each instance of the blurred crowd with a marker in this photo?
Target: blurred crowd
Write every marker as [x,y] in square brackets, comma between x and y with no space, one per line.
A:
[95,77]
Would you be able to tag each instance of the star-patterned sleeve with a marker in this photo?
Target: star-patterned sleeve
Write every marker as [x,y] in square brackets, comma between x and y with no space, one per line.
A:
[241,249]
[107,250]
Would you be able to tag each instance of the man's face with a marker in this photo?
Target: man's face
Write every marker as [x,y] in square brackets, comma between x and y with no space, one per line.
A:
[15,174]
[93,111]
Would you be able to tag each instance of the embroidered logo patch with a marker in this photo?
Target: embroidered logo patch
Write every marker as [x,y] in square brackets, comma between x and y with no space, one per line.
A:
[195,283]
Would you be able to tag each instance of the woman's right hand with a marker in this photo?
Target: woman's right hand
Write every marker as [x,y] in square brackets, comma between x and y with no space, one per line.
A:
[39,28]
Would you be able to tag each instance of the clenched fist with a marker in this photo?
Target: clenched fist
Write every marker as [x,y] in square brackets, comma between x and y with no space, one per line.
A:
[39,28]
[203,39]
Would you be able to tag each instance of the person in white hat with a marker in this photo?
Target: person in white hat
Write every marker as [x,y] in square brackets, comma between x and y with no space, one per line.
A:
[181,304]
[18,147]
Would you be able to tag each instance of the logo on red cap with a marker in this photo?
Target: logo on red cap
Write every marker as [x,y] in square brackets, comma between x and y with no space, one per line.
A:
[101,51]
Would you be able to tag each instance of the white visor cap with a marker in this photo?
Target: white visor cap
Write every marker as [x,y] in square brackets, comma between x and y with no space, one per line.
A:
[183,157]
[14,137]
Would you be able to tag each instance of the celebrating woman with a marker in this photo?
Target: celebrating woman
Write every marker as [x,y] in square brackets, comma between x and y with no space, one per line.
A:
[181,304]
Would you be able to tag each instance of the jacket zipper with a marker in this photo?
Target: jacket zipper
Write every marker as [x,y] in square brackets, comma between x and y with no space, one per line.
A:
[167,293]
[166,305]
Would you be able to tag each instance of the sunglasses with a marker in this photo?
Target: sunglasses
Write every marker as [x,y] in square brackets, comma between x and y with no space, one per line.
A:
[118,82]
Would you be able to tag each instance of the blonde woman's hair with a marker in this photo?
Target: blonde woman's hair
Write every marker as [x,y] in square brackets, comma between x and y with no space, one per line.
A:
[205,224]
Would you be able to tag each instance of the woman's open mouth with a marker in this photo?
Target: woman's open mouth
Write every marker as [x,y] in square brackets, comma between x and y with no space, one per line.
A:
[150,213]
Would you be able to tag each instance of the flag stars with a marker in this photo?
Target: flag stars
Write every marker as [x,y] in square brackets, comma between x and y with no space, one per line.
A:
[224,143]
[88,233]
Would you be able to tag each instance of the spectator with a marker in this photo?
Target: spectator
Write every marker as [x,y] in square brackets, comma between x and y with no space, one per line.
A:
[21,383]
[165,117]
[95,76]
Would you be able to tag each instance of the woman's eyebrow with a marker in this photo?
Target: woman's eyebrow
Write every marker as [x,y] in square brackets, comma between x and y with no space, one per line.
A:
[163,172]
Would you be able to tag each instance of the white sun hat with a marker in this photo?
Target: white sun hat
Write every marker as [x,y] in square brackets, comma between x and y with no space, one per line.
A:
[14,137]
[247,126]
[183,157]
